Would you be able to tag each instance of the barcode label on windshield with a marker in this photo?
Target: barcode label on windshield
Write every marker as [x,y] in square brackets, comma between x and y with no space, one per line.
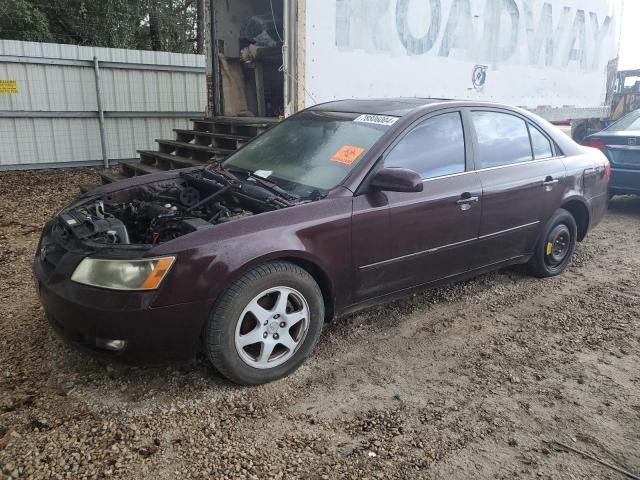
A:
[377,119]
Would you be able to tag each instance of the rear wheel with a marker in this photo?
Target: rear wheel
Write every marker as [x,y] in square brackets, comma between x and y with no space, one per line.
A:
[265,324]
[556,245]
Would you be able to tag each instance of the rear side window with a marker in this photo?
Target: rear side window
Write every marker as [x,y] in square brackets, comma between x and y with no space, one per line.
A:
[541,144]
[503,139]
[433,148]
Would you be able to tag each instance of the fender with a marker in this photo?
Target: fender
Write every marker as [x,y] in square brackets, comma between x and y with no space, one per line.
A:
[570,203]
[573,198]
[299,257]
[317,233]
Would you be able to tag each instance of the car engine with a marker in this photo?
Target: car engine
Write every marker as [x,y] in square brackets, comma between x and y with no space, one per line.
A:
[158,212]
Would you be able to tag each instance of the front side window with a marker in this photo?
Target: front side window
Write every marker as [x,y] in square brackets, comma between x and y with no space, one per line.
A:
[503,139]
[541,144]
[314,150]
[432,149]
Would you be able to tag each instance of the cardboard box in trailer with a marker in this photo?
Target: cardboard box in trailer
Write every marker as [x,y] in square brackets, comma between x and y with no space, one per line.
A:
[557,58]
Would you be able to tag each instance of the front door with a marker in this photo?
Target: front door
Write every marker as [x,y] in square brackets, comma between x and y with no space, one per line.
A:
[401,240]
[522,183]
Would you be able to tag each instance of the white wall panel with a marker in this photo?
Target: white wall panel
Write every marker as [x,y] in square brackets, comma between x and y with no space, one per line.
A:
[26,141]
[47,87]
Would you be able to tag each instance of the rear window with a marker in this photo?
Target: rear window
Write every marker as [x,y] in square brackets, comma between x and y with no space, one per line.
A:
[541,144]
[503,139]
[630,122]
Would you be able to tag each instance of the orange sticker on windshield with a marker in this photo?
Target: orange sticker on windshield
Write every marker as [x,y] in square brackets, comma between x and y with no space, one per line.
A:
[347,154]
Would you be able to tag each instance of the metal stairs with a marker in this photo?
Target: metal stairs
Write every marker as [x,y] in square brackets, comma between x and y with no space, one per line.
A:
[210,140]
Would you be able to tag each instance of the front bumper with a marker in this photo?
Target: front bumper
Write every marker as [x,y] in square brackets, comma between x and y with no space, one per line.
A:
[88,315]
[150,333]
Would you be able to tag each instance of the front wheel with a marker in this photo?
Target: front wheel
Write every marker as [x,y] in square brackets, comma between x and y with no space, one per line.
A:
[265,324]
[555,248]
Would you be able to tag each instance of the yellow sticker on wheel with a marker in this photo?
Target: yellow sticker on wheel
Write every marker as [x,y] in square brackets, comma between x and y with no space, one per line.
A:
[549,248]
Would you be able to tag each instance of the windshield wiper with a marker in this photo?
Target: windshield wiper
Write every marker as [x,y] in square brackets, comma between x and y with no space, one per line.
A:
[227,173]
[252,177]
[272,186]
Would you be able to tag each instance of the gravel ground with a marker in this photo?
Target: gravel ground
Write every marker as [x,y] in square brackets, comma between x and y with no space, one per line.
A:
[468,381]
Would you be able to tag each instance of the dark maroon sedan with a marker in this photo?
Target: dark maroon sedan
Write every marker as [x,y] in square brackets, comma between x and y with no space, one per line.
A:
[341,206]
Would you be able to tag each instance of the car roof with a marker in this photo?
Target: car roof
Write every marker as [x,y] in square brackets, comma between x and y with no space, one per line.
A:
[397,107]
[401,107]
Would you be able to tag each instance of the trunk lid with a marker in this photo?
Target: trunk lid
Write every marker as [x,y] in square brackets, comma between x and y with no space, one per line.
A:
[621,148]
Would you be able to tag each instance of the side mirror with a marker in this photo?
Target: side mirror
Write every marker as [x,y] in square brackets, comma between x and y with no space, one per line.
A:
[396,180]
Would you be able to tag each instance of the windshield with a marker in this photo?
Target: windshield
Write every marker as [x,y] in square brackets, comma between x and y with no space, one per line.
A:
[630,122]
[316,150]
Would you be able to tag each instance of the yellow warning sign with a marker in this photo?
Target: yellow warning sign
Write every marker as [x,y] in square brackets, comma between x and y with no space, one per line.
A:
[8,86]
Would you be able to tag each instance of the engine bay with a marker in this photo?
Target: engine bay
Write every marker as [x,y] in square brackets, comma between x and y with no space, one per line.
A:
[158,212]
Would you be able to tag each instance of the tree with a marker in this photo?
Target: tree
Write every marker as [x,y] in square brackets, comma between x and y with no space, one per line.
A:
[21,20]
[168,25]
[200,26]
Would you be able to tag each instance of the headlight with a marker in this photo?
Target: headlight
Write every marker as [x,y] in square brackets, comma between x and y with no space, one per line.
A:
[143,274]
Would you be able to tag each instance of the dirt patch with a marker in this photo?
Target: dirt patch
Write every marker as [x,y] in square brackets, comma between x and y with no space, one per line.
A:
[467,381]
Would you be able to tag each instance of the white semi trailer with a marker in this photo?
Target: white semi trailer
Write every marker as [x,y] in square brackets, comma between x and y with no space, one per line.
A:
[557,58]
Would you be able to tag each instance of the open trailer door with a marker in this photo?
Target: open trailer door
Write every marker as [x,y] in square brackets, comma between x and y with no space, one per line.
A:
[248,37]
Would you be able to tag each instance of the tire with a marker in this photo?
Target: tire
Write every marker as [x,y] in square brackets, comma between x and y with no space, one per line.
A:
[556,245]
[280,306]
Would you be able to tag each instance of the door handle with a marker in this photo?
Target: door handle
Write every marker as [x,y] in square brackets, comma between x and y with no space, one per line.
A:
[466,199]
[550,181]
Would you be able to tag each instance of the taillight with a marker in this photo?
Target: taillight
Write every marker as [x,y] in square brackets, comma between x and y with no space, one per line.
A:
[595,144]
[607,170]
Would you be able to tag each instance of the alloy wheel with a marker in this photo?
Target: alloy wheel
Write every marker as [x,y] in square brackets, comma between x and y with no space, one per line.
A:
[272,327]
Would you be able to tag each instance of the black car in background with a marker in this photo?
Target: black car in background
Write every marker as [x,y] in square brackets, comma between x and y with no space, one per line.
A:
[620,142]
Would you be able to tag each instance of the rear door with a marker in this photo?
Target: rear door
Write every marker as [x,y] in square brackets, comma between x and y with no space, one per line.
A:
[402,240]
[522,182]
